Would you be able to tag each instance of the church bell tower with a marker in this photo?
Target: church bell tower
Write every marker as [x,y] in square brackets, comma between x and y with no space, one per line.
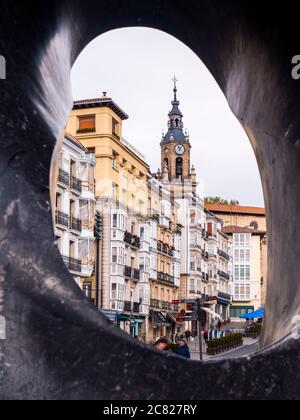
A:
[175,145]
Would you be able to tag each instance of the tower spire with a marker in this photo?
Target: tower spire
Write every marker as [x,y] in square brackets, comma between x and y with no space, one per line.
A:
[174,80]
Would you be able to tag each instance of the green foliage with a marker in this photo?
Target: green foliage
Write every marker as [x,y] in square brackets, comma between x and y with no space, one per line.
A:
[229,341]
[256,329]
[219,200]
[173,347]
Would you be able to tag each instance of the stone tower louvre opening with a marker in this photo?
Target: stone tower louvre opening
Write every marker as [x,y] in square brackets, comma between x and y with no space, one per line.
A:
[55,338]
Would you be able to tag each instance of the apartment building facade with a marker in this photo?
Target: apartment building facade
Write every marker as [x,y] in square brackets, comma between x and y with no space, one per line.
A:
[137,239]
[220,266]
[74,213]
[165,261]
[247,228]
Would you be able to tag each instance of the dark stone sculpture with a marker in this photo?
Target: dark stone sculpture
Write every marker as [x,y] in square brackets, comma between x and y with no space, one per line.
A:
[57,344]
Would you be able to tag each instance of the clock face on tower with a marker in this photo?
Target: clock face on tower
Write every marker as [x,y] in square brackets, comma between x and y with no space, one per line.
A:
[180,149]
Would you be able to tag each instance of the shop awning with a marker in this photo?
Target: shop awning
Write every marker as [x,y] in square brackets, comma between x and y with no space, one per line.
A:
[173,319]
[210,312]
[159,320]
[111,315]
[253,315]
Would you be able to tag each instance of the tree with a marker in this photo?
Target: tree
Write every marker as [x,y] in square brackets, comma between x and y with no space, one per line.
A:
[219,200]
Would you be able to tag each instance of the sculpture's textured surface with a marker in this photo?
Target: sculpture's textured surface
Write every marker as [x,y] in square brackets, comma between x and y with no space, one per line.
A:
[57,345]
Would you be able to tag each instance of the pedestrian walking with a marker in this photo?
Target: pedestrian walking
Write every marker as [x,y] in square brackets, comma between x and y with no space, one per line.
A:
[183,349]
[206,335]
[188,335]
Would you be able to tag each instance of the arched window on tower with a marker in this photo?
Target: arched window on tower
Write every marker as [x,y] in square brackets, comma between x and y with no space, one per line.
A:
[177,122]
[166,163]
[179,167]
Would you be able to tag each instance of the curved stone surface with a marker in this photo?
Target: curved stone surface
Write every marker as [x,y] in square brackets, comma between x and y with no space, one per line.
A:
[57,345]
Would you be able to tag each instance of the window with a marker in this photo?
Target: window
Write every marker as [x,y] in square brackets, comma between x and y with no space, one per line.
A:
[117,291]
[193,264]
[72,208]
[72,249]
[114,161]
[87,124]
[238,311]
[58,201]
[59,241]
[114,190]
[141,206]
[142,233]
[133,200]
[242,273]
[115,128]
[242,292]
[199,284]
[144,264]
[242,239]
[73,169]
[192,286]
[179,167]
[87,290]
[115,220]
[114,255]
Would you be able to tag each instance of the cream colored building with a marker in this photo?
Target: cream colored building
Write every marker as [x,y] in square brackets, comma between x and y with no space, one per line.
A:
[247,228]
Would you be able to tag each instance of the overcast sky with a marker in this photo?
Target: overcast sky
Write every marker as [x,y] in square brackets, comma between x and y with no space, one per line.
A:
[135,66]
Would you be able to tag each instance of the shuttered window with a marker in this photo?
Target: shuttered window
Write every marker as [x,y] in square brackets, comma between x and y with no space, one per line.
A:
[87,124]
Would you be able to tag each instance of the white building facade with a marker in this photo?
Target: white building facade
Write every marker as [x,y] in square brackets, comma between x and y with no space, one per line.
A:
[75,212]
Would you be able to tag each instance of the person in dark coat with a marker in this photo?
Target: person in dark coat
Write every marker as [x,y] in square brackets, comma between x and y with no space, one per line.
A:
[183,349]
[188,335]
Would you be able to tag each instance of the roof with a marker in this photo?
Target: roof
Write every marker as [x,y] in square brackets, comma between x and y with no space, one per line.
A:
[222,208]
[75,141]
[240,229]
[103,102]
[175,110]
[175,134]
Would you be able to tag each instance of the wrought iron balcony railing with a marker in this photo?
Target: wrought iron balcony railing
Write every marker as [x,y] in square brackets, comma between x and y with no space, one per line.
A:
[73,264]
[223,275]
[132,273]
[63,178]
[75,224]
[62,219]
[132,240]
[76,184]
[223,255]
